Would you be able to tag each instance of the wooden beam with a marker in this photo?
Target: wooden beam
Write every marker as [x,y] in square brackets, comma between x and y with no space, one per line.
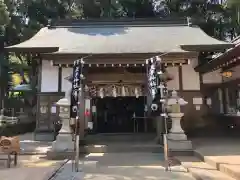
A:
[116,57]
[180,78]
[119,63]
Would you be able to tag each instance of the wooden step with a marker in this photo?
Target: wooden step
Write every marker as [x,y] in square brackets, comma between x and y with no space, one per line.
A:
[201,170]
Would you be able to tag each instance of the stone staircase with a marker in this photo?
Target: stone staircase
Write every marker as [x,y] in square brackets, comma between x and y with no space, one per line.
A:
[113,143]
[205,168]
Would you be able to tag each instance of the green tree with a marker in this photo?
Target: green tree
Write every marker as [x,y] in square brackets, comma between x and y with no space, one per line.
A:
[233,7]
[4,17]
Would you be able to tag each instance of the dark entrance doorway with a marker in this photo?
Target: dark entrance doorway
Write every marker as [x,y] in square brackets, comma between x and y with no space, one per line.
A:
[115,115]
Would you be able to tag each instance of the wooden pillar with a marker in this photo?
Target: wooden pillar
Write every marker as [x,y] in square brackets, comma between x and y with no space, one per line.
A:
[38,90]
[180,76]
[59,79]
[82,110]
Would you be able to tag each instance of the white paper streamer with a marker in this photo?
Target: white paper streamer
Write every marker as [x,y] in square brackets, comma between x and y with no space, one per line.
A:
[123,91]
[101,93]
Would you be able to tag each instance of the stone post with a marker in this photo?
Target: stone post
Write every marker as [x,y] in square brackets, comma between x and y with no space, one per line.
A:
[64,138]
[177,140]
[63,143]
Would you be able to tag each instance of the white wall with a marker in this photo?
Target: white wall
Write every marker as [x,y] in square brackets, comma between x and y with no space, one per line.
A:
[49,82]
[66,85]
[190,77]
[50,78]
[212,77]
[173,84]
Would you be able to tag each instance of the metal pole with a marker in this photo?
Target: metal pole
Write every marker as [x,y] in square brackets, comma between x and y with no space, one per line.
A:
[163,103]
[76,105]
[80,93]
[158,90]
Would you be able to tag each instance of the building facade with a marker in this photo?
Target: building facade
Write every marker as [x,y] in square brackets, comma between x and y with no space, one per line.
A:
[221,85]
[115,53]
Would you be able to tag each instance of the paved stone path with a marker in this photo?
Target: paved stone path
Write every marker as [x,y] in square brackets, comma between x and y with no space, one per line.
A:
[123,166]
[30,167]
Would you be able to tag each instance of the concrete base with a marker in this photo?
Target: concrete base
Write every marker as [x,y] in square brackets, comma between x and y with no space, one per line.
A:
[179,147]
[63,143]
[177,136]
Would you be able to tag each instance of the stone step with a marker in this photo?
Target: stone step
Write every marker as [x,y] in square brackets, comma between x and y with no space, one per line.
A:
[230,166]
[112,148]
[201,170]
[127,137]
[116,148]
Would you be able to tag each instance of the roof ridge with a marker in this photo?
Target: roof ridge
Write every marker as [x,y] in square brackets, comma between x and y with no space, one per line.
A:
[116,26]
[119,22]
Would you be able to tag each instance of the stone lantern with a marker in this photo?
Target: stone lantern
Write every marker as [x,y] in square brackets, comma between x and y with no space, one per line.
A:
[177,140]
[64,141]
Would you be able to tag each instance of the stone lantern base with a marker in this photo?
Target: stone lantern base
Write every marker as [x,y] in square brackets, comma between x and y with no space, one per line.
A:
[183,147]
[63,145]
[178,144]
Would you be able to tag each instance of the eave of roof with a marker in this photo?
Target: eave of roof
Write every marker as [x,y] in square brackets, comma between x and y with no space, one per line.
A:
[226,60]
[120,37]
[133,58]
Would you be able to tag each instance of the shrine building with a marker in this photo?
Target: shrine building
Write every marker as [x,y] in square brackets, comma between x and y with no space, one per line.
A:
[221,77]
[115,52]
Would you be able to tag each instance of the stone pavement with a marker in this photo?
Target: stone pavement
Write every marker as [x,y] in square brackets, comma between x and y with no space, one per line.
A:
[32,163]
[30,167]
[123,166]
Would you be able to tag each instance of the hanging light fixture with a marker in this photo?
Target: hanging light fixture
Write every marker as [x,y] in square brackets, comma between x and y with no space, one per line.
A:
[227,74]
[123,91]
